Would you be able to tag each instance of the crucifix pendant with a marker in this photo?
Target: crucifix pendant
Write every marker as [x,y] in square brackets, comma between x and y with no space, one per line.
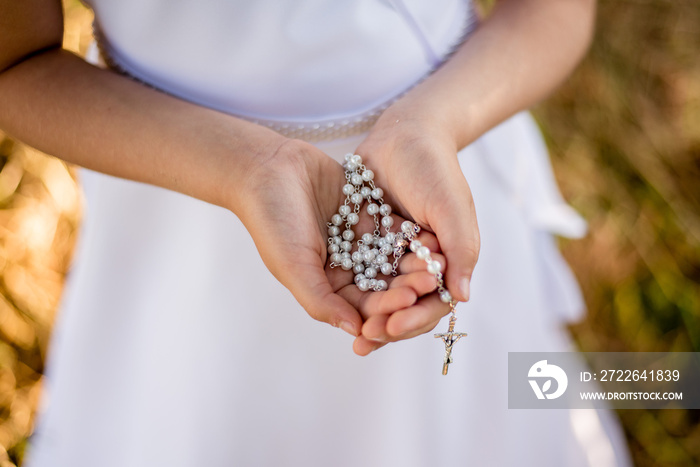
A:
[449,338]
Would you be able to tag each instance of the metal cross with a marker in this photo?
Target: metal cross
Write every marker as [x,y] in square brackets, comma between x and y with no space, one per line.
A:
[449,338]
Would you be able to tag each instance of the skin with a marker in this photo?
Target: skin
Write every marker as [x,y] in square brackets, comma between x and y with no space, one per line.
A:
[56,102]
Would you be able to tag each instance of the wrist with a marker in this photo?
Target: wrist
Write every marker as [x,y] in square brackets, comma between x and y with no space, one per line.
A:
[241,151]
[419,119]
[405,126]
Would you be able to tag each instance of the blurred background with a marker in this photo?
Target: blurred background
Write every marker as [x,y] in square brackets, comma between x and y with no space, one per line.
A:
[624,134]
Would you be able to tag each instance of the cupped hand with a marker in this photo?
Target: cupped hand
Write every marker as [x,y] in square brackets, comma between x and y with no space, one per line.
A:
[287,199]
[407,309]
[416,163]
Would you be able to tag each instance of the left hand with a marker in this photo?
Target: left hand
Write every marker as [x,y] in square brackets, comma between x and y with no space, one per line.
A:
[415,161]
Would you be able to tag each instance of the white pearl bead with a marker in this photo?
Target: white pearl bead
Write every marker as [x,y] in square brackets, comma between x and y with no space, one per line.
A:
[407,227]
[344,255]
[356,179]
[434,267]
[346,264]
[353,218]
[346,246]
[387,221]
[356,159]
[385,209]
[348,156]
[350,166]
[336,219]
[348,235]
[386,249]
[373,284]
[445,296]
[367,175]
[381,259]
[348,189]
[382,285]
[344,210]
[356,198]
[336,258]
[370,273]
[356,257]
[423,252]
[336,240]
[377,193]
[367,238]
[359,277]
[415,244]
[366,191]
[372,209]
[362,248]
[368,256]
[386,269]
[333,231]
[333,248]
[358,268]
[363,285]
[390,238]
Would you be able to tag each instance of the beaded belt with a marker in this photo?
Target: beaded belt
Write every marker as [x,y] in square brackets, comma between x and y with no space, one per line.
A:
[313,131]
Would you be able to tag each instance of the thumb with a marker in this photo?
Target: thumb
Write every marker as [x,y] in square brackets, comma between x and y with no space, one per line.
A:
[454,222]
[310,286]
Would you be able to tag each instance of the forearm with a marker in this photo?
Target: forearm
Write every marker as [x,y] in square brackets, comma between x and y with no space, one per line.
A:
[517,56]
[63,106]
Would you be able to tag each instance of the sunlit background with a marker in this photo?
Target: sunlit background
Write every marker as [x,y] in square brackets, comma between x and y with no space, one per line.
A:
[625,139]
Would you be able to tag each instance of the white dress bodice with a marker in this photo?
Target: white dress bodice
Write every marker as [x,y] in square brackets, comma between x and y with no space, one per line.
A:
[310,61]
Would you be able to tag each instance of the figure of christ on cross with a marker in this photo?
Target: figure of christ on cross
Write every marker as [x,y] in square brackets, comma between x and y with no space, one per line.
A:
[449,338]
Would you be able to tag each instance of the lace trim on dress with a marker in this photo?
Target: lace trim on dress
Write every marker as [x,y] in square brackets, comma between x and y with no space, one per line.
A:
[311,131]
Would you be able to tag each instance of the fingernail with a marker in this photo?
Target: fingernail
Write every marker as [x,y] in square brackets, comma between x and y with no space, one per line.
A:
[379,340]
[349,328]
[464,288]
[377,345]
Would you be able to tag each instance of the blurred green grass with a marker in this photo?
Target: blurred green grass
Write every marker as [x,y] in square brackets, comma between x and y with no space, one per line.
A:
[624,133]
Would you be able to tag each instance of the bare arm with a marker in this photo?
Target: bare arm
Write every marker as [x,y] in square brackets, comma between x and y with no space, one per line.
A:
[58,103]
[517,57]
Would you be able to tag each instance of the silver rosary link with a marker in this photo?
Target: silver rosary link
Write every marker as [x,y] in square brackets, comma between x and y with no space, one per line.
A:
[371,257]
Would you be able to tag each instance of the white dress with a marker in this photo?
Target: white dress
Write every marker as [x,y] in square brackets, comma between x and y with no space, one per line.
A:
[176,347]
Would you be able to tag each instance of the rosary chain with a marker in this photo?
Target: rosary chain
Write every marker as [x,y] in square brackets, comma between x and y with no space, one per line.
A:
[373,250]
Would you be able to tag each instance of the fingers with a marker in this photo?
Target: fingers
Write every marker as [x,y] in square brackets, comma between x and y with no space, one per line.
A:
[428,239]
[417,319]
[455,225]
[363,346]
[410,263]
[404,324]
[422,316]
[374,329]
[404,290]
[384,302]
[420,282]
[310,286]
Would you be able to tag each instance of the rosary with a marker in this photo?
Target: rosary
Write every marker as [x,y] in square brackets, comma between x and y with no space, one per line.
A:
[373,253]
